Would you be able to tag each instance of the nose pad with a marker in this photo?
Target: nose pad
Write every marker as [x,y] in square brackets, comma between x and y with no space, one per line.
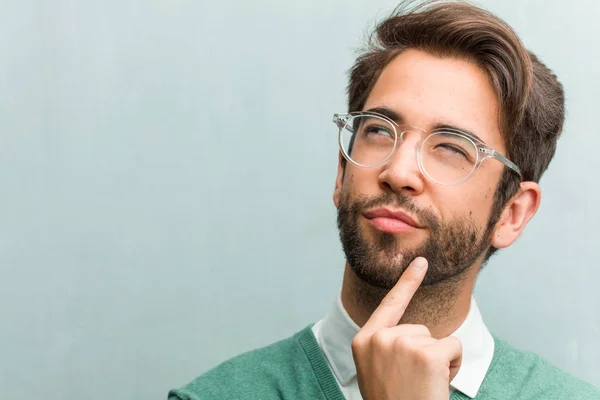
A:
[402,136]
[402,139]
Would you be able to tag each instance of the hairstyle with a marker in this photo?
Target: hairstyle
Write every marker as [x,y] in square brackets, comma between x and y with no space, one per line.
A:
[530,97]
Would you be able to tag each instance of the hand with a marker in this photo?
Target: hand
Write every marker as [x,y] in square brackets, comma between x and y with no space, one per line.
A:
[403,361]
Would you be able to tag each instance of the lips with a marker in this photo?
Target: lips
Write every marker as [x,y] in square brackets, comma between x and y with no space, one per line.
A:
[391,221]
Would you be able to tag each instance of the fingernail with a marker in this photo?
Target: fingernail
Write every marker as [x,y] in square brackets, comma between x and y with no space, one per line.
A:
[420,263]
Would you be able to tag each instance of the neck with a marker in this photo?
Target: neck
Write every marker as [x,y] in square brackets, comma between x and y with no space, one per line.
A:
[442,307]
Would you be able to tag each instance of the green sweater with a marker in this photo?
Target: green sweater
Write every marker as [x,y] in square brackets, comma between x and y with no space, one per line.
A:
[295,368]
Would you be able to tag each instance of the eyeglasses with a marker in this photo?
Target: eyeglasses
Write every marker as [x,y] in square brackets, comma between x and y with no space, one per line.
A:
[445,156]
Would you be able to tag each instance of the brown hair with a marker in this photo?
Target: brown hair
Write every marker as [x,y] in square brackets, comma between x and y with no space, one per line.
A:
[530,96]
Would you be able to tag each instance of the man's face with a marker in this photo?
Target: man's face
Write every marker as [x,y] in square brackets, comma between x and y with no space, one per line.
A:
[450,223]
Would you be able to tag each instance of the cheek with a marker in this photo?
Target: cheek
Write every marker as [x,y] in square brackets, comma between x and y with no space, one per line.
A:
[360,180]
[480,190]
[472,200]
[480,202]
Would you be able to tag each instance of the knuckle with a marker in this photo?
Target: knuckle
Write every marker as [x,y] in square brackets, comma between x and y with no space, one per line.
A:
[358,342]
[420,330]
[402,344]
[425,330]
[452,341]
[425,358]
[457,342]
[379,339]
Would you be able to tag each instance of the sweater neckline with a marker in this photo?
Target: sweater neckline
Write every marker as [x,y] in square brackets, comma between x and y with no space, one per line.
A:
[319,365]
[325,377]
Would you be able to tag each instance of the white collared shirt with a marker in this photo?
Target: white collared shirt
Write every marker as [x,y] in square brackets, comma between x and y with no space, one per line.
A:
[335,332]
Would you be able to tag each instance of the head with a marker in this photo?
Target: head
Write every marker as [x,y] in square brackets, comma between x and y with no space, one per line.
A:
[453,64]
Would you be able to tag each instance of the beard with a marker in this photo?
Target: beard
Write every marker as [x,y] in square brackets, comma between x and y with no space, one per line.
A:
[451,248]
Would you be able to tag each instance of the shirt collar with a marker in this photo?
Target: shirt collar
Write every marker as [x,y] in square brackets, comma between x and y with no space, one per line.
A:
[338,330]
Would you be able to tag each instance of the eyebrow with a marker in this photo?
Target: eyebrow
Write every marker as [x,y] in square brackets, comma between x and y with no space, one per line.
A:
[386,112]
[399,119]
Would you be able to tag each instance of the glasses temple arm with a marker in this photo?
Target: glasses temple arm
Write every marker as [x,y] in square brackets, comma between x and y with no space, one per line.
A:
[507,162]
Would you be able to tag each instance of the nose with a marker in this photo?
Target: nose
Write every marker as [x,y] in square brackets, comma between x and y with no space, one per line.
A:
[401,172]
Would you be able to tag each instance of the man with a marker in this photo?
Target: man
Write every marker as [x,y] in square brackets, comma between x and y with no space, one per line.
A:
[451,124]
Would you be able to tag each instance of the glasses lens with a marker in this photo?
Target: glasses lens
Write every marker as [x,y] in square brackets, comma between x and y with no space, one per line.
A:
[448,157]
[367,140]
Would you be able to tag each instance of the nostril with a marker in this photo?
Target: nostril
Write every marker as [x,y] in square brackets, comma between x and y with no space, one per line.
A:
[386,186]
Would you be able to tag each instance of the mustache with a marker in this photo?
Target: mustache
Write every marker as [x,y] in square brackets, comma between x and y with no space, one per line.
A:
[397,200]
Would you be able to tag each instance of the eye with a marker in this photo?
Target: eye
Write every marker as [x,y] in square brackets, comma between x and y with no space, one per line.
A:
[378,130]
[453,149]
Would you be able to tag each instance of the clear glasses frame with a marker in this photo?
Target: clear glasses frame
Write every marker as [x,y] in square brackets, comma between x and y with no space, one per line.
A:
[484,151]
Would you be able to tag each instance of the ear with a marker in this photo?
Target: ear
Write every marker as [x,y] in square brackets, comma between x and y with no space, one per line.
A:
[516,214]
[337,191]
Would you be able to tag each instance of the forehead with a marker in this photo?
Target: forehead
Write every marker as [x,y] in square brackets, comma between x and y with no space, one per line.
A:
[426,90]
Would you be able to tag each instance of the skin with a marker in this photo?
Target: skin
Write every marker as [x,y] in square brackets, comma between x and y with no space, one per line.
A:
[408,326]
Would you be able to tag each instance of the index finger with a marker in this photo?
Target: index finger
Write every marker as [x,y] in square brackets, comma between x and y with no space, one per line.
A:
[393,305]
